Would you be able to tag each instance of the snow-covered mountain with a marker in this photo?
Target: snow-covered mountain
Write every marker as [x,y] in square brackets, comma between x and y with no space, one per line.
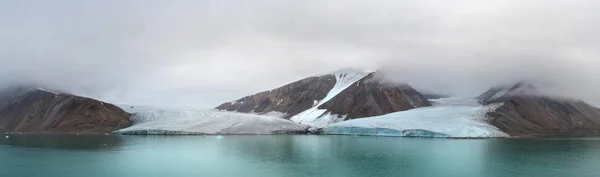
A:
[347,101]
[511,110]
[333,97]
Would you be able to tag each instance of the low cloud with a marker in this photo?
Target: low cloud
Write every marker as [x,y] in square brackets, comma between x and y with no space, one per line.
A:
[202,53]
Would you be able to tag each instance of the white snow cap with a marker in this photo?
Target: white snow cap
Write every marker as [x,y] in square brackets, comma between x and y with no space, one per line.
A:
[349,70]
[45,90]
[353,70]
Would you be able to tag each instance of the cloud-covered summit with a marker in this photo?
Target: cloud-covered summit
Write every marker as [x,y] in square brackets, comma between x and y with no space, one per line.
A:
[199,53]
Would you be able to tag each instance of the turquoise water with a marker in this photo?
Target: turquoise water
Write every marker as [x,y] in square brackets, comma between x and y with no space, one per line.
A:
[299,155]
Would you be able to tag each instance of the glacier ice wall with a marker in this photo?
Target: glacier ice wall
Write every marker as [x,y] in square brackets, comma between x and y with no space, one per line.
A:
[383,132]
[450,117]
[191,121]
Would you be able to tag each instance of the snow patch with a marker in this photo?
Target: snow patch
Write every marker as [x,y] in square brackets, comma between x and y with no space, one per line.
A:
[55,93]
[454,117]
[500,93]
[318,117]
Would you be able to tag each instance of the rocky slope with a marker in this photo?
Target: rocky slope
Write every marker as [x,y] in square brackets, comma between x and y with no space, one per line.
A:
[290,99]
[503,93]
[329,98]
[525,113]
[39,110]
[372,97]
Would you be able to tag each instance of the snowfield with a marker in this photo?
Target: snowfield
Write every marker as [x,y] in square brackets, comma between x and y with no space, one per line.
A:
[448,117]
[317,117]
[190,121]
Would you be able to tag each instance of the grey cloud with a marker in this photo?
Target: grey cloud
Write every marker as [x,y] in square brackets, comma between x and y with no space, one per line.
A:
[202,53]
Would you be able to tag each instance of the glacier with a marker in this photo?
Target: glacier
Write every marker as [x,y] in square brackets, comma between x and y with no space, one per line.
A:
[384,132]
[320,117]
[454,117]
[148,120]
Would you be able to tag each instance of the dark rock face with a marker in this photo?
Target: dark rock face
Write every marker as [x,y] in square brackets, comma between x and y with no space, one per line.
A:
[8,95]
[371,97]
[43,111]
[292,98]
[527,113]
[543,116]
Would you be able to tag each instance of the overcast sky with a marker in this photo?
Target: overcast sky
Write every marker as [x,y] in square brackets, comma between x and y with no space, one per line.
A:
[200,53]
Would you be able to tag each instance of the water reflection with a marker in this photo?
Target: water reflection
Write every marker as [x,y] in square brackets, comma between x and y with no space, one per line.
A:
[360,156]
[63,141]
[542,157]
[292,156]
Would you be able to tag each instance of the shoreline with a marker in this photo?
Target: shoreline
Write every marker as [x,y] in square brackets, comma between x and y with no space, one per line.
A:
[307,134]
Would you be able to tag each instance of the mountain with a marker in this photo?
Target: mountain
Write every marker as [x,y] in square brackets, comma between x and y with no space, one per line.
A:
[289,99]
[505,92]
[371,96]
[321,100]
[525,112]
[515,110]
[38,110]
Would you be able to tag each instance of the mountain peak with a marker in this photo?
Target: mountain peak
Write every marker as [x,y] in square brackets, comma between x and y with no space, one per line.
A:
[349,70]
[502,92]
[49,91]
[353,70]
[347,93]
[521,87]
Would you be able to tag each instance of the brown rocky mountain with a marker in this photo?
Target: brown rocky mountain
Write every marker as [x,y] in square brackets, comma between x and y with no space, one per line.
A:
[291,99]
[347,93]
[524,113]
[44,111]
[372,97]
[503,93]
